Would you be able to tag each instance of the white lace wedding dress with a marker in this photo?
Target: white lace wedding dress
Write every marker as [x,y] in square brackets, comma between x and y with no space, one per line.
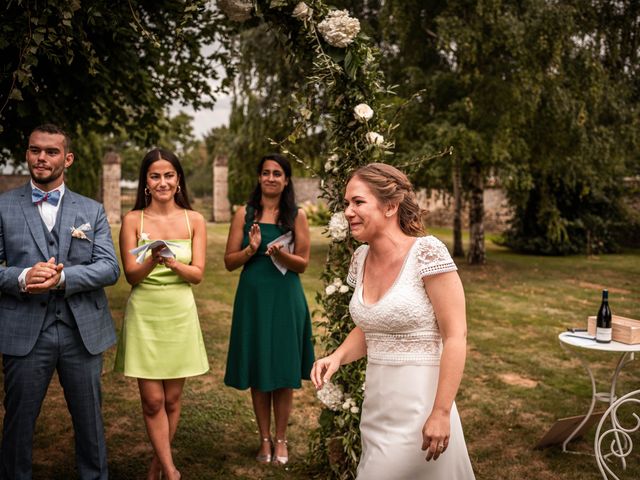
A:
[403,353]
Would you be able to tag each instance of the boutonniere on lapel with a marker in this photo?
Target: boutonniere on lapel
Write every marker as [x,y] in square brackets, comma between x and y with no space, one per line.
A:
[78,232]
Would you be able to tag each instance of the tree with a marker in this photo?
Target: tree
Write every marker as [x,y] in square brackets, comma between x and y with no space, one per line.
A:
[175,134]
[267,90]
[105,66]
[582,135]
[466,59]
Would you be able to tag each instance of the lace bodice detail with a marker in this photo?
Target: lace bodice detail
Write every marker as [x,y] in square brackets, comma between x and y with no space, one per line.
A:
[401,328]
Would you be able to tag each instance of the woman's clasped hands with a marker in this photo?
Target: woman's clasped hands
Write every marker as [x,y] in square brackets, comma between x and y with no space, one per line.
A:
[169,262]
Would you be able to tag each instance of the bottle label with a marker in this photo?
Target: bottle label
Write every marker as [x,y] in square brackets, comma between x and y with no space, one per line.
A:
[603,334]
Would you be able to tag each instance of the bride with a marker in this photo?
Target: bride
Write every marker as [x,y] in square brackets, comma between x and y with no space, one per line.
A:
[409,309]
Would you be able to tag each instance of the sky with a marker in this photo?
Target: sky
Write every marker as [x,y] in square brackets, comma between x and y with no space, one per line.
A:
[205,120]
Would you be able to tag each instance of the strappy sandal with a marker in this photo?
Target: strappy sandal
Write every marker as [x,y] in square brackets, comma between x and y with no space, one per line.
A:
[265,457]
[281,460]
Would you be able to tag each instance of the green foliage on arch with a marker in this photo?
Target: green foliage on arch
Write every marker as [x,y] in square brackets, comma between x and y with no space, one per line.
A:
[341,90]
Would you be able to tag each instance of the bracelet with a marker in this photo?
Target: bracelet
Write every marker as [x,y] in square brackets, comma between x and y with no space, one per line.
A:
[249,251]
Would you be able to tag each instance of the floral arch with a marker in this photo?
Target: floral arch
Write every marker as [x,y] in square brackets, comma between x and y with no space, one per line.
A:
[345,71]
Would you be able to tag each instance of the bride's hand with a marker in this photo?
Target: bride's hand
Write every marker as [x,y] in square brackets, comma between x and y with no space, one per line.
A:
[324,369]
[435,435]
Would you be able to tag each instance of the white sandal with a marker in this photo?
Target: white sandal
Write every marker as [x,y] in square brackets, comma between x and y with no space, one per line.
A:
[265,457]
[278,460]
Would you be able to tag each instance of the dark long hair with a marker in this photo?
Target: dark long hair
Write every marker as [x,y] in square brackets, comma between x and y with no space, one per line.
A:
[181,197]
[287,208]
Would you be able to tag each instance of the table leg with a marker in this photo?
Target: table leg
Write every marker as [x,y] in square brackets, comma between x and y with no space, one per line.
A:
[615,447]
[622,446]
[593,396]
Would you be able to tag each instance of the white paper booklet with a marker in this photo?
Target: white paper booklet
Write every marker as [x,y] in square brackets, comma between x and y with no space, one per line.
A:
[287,246]
[166,252]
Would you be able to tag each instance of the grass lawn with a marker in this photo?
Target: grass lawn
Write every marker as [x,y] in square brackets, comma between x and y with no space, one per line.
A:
[517,382]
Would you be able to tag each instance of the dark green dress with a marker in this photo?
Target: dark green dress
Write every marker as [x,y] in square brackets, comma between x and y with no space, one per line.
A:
[270,345]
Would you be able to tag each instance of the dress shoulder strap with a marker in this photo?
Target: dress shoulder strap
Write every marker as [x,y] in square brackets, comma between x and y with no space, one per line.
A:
[141,221]
[186,215]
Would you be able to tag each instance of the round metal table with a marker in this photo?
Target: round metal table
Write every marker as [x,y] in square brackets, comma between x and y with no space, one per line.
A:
[583,340]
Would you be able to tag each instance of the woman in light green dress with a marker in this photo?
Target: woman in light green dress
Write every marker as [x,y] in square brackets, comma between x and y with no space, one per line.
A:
[270,349]
[161,341]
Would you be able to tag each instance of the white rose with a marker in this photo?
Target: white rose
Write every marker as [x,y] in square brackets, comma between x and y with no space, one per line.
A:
[330,290]
[331,396]
[355,409]
[346,405]
[338,28]
[343,289]
[338,227]
[302,11]
[337,282]
[374,138]
[362,112]
[331,163]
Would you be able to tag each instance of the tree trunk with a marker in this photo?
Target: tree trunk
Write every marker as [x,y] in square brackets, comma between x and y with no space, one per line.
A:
[458,248]
[477,254]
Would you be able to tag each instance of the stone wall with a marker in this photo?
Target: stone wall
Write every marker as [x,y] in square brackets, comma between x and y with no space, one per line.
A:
[9,182]
[439,205]
[221,208]
[307,189]
[110,187]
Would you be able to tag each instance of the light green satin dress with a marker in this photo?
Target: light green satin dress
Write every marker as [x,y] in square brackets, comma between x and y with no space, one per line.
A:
[161,337]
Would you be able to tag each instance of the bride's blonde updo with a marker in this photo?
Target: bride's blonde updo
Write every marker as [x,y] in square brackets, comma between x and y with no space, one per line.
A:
[391,186]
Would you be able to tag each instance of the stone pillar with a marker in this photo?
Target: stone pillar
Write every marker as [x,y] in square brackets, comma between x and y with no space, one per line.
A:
[111,172]
[221,207]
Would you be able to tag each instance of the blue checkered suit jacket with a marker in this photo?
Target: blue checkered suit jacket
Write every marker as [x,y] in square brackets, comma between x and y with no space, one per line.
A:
[89,266]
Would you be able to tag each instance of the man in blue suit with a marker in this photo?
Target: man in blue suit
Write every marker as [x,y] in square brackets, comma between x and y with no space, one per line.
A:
[56,257]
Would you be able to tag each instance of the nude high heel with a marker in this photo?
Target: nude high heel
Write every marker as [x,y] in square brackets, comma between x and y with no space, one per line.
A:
[265,457]
[281,460]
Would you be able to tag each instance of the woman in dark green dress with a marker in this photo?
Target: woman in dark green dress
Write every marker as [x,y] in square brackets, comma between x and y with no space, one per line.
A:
[270,349]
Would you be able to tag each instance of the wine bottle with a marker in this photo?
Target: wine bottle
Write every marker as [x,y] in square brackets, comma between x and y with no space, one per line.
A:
[603,324]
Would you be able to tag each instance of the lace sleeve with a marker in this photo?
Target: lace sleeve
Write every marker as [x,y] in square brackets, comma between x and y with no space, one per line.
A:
[352,276]
[433,257]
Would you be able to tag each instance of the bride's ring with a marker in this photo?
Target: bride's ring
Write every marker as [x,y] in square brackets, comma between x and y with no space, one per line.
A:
[440,447]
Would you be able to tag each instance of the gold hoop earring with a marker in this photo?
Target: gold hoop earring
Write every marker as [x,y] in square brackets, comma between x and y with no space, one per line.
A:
[147,192]
[179,189]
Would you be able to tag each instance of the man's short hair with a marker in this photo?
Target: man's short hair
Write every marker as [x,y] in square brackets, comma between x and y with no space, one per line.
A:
[52,129]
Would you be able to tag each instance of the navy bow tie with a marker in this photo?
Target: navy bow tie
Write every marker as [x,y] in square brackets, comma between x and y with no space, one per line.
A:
[38,196]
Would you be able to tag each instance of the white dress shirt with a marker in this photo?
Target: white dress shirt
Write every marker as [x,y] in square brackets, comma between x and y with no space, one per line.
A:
[48,213]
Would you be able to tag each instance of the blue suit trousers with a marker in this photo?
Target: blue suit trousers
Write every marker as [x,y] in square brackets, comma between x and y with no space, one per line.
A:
[26,380]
